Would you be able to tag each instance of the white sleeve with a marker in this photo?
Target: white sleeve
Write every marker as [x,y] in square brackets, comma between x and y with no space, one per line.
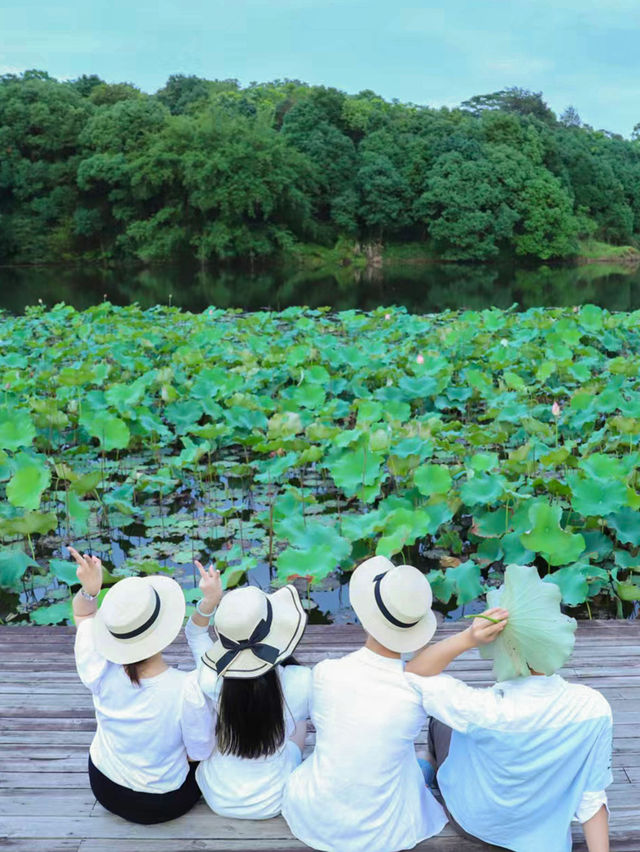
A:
[197,720]
[297,683]
[91,665]
[456,704]
[199,641]
[590,804]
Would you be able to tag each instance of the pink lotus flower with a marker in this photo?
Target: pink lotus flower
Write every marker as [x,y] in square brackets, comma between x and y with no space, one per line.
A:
[387,316]
[420,359]
[555,409]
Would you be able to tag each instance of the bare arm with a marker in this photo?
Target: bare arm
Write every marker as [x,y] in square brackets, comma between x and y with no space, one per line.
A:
[433,659]
[89,573]
[596,831]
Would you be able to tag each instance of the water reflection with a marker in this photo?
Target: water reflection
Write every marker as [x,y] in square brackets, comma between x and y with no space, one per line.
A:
[420,288]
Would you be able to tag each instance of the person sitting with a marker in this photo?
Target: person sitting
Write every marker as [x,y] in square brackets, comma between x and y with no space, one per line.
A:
[362,789]
[146,729]
[259,694]
[518,761]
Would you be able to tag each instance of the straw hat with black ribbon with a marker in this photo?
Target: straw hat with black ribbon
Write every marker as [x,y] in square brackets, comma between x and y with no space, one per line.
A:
[256,631]
[393,602]
[139,617]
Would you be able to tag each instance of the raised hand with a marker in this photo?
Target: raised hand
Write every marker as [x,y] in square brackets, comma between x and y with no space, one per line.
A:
[89,571]
[210,584]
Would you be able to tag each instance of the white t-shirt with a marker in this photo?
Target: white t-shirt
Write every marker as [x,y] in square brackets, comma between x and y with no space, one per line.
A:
[526,756]
[362,790]
[241,787]
[144,732]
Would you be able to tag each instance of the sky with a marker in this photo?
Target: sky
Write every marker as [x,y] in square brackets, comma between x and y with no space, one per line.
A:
[582,53]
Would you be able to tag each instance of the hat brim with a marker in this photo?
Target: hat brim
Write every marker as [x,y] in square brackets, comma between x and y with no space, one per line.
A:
[287,627]
[399,639]
[165,629]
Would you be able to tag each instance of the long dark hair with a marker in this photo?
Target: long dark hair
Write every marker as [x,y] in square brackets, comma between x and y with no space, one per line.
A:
[251,715]
[132,671]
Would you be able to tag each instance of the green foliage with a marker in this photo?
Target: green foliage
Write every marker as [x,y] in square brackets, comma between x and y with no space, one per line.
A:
[211,170]
[307,440]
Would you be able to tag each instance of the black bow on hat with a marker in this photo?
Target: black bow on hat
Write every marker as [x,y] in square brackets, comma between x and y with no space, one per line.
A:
[254,644]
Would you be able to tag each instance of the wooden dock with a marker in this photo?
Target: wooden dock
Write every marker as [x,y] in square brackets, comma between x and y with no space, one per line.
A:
[46,725]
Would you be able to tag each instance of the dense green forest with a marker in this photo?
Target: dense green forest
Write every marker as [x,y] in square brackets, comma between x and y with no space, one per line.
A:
[218,172]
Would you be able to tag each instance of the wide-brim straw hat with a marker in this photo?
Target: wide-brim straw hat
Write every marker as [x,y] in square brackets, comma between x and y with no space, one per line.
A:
[393,602]
[139,617]
[256,631]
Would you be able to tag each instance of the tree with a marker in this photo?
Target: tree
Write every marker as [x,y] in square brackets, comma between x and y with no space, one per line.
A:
[521,101]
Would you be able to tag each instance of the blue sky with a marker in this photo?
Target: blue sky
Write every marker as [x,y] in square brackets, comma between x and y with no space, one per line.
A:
[579,52]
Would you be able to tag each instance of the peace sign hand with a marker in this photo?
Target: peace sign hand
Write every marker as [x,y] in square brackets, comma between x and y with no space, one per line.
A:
[210,584]
[89,571]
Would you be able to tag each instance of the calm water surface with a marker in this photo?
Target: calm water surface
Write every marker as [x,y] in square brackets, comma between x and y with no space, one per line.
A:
[420,288]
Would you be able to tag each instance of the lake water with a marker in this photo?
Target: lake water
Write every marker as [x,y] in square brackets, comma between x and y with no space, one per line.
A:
[420,288]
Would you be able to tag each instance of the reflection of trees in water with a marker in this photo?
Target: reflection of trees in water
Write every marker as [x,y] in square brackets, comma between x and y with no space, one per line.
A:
[420,288]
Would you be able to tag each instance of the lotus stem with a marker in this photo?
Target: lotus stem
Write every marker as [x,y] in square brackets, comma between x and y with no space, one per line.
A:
[480,615]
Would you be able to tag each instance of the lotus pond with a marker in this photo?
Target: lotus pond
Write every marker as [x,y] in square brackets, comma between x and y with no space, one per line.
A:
[289,445]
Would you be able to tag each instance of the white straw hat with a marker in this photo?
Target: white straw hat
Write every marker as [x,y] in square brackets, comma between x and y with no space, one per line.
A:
[255,631]
[393,602]
[139,616]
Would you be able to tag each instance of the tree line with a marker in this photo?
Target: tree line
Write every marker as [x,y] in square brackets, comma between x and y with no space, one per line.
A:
[216,171]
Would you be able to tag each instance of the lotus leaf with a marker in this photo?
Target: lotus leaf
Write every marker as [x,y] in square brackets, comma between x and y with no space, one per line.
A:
[547,537]
[467,579]
[628,591]
[13,564]
[538,637]
[30,479]
[626,524]
[432,479]
[53,614]
[16,429]
[483,489]
[592,496]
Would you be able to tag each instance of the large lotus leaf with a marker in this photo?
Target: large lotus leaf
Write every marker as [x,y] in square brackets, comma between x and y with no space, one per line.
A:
[361,526]
[628,591]
[28,524]
[572,580]
[183,415]
[308,395]
[271,470]
[442,585]
[351,469]
[467,579]
[393,542]
[314,563]
[626,523]
[513,550]
[547,537]
[64,570]
[53,614]
[86,483]
[598,497]
[602,466]
[483,462]
[414,446]
[112,432]
[78,512]
[13,564]
[538,637]
[482,489]
[432,479]
[31,477]
[16,429]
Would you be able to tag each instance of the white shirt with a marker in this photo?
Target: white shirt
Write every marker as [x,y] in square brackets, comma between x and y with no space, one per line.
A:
[526,756]
[362,790]
[144,733]
[241,787]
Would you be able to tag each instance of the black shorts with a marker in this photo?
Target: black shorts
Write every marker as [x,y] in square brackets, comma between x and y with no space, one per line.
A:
[145,808]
